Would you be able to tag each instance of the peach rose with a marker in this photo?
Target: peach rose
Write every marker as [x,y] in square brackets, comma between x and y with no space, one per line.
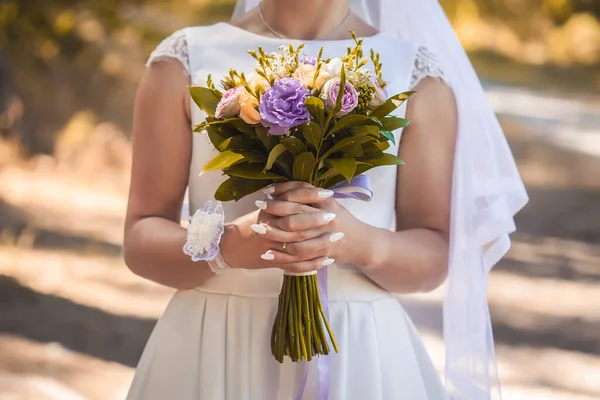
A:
[257,81]
[248,111]
[305,73]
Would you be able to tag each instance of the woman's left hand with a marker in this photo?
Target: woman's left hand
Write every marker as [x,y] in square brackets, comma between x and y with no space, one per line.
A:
[338,240]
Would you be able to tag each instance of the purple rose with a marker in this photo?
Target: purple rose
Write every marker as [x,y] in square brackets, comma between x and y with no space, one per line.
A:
[229,105]
[330,93]
[282,106]
[312,60]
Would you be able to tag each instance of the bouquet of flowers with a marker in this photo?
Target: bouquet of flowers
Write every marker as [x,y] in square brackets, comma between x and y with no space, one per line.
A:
[301,118]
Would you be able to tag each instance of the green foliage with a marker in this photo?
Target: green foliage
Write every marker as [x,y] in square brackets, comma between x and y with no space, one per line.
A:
[345,147]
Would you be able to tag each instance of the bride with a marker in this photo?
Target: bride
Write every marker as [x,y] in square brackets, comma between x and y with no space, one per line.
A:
[445,216]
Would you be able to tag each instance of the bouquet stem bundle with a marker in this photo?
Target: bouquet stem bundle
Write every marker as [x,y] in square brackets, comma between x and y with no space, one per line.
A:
[298,329]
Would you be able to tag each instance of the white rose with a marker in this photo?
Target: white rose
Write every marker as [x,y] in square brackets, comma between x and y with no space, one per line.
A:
[334,67]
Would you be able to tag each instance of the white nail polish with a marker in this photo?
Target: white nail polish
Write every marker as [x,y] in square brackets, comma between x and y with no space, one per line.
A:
[325,193]
[328,217]
[327,261]
[269,189]
[336,236]
[259,228]
[268,256]
[261,204]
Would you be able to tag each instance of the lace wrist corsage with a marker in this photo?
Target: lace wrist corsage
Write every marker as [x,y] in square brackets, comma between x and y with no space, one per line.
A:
[204,236]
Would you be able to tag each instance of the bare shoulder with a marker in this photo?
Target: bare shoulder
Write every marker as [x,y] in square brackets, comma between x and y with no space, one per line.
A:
[433,105]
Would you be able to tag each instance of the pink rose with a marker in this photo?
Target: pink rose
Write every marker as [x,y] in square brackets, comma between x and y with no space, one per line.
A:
[379,97]
[229,105]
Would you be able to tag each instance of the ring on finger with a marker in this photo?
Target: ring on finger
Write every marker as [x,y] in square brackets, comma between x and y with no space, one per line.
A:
[284,247]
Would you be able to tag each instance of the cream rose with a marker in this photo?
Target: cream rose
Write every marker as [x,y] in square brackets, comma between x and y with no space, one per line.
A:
[305,73]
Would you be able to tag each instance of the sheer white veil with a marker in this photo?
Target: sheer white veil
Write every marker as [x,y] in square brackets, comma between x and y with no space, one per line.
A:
[487,192]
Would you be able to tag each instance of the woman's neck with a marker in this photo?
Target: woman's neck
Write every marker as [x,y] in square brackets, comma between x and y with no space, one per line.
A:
[305,19]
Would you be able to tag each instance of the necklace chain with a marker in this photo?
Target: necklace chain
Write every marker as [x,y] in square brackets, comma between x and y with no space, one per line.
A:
[279,35]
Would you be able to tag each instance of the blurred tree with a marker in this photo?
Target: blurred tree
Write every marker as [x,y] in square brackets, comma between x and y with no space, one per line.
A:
[71,56]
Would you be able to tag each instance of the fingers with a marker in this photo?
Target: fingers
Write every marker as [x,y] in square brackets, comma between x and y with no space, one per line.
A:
[283,208]
[301,222]
[275,234]
[306,195]
[301,251]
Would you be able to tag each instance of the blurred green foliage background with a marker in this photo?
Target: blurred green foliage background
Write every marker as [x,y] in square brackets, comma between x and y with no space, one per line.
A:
[79,61]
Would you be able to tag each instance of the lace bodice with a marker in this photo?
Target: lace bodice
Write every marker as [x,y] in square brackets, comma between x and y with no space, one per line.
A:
[175,47]
[426,66]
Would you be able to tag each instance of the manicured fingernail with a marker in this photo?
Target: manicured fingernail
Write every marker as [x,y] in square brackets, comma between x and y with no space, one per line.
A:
[325,193]
[328,217]
[327,261]
[259,228]
[261,204]
[269,189]
[268,256]
[336,236]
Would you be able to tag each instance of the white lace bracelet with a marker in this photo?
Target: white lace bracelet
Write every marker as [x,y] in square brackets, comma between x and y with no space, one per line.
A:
[204,236]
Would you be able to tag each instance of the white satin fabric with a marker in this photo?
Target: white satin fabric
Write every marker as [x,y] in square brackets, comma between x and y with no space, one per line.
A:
[487,193]
[212,343]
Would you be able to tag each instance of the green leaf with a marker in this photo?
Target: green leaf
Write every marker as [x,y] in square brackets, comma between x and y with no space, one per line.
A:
[370,130]
[312,133]
[205,99]
[216,138]
[354,151]
[304,164]
[316,108]
[330,173]
[390,105]
[236,188]
[267,140]
[278,150]
[393,123]
[385,159]
[349,121]
[254,156]
[349,141]
[294,145]
[222,161]
[251,171]
[389,135]
[345,165]
[239,142]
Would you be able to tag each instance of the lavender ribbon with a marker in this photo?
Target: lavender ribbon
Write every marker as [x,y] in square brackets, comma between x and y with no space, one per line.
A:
[358,188]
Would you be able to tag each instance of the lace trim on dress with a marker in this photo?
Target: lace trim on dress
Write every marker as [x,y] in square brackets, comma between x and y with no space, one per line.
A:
[427,66]
[173,47]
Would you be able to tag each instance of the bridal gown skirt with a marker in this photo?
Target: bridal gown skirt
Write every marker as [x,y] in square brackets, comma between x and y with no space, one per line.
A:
[213,343]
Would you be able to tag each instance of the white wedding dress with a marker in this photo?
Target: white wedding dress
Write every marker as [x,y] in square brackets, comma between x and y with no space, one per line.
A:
[213,342]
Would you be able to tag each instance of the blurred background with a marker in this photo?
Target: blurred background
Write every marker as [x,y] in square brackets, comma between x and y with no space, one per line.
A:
[74,320]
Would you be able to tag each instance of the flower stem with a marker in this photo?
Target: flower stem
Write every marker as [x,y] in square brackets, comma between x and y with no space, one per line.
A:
[299,310]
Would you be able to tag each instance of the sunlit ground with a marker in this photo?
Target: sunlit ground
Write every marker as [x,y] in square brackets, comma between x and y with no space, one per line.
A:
[74,320]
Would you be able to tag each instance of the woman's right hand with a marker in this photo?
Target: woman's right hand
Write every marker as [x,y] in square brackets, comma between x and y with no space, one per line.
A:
[247,240]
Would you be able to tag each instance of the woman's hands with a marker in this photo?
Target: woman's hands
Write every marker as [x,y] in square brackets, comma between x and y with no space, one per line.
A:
[301,229]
